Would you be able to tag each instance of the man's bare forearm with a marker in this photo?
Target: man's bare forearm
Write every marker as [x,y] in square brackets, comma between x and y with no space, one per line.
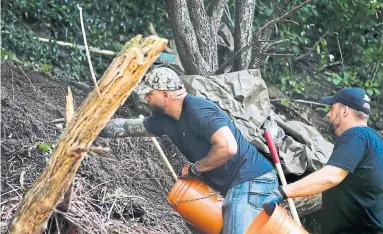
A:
[124,128]
[217,156]
[316,182]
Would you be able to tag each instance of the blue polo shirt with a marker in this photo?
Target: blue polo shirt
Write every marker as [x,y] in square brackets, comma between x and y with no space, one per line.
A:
[199,120]
[356,204]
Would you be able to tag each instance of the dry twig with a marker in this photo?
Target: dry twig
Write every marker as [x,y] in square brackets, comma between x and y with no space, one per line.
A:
[87,52]
[340,51]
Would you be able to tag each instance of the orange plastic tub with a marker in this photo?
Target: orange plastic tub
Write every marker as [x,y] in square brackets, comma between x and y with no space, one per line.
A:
[199,204]
[278,223]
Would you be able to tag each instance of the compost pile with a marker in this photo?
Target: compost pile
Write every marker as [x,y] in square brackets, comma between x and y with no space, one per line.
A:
[121,191]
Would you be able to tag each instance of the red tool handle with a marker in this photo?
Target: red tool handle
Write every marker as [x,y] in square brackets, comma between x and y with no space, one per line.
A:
[270,143]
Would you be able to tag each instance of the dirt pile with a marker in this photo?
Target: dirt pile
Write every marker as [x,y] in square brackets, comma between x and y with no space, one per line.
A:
[122,191]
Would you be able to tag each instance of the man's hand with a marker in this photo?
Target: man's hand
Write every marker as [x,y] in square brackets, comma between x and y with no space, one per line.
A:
[190,171]
[276,197]
[124,128]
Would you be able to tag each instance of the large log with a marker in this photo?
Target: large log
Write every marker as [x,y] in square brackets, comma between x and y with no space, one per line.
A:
[306,205]
[122,76]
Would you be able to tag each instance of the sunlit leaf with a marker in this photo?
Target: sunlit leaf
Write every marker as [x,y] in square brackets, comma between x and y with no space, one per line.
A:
[285,101]
[43,147]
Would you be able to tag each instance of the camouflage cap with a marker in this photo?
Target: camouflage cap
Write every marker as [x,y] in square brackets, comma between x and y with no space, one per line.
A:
[160,79]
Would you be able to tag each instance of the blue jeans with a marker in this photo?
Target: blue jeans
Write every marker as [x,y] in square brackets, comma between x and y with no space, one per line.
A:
[243,202]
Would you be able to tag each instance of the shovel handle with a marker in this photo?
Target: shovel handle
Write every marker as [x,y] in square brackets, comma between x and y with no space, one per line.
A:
[274,154]
[270,144]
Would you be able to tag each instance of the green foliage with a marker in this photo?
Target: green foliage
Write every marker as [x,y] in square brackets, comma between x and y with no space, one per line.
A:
[343,41]
[108,25]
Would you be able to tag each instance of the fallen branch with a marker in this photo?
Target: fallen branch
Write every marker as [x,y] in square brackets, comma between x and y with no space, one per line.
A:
[300,101]
[56,121]
[295,112]
[22,179]
[330,65]
[81,47]
[119,80]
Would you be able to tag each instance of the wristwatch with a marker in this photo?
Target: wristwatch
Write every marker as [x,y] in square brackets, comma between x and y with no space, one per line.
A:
[194,170]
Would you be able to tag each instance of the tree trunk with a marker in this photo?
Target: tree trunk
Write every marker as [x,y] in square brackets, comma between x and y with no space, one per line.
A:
[195,33]
[244,13]
[186,39]
[260,49]
[122,76]
[200,21]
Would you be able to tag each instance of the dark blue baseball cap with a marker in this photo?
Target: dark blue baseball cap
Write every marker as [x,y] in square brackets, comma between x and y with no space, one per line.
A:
[356,98]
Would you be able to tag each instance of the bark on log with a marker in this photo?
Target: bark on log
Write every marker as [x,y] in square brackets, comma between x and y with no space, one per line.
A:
[122,76]
[306,205]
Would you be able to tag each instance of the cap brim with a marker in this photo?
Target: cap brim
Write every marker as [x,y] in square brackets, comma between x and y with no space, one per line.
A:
[143,89]
[329,100]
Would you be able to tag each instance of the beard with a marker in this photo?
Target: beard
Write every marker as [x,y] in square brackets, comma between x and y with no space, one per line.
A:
[335,124]
[157,110]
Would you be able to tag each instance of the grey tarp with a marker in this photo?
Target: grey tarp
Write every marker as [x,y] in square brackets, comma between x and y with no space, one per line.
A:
[244,96]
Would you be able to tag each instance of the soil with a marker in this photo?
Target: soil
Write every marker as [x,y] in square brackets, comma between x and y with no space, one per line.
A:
[122,191]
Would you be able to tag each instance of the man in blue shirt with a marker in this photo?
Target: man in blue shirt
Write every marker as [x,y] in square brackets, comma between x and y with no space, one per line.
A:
[352,180]
[220,154]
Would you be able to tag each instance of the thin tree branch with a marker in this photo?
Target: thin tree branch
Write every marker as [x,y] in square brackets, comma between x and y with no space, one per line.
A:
[340,51]
[232,58]
[87,52]
[265,31]
[227,12]
[282,6]
[275,54]
[376,71]
[277,19]
[273,43]
[313,47]
[236,55]
[292,21]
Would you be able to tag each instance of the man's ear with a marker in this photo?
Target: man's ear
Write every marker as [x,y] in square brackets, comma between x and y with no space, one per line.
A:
[346,111]
[166,94]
